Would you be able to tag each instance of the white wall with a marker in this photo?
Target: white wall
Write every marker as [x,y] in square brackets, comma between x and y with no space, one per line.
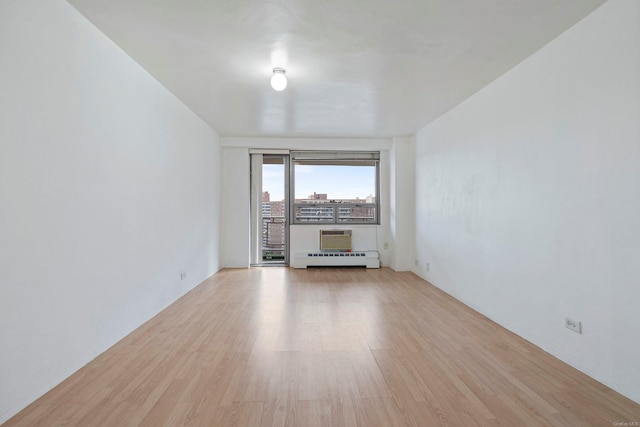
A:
[528,197]
[236,222]
[402,204]
[236,198]
[109,187]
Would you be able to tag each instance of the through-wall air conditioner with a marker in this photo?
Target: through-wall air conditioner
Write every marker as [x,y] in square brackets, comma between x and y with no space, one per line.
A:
[335,240]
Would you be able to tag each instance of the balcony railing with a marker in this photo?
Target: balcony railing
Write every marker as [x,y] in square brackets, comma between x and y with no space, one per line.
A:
[273,234]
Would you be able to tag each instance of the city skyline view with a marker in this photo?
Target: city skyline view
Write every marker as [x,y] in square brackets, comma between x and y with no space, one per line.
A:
[338,182]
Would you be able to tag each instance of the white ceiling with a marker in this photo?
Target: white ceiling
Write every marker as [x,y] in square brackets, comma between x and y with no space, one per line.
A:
[356,68]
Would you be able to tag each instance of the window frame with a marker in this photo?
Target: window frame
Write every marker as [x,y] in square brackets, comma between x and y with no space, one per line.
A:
[334,158]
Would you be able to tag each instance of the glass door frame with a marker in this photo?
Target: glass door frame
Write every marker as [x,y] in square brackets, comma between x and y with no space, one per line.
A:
[256,162]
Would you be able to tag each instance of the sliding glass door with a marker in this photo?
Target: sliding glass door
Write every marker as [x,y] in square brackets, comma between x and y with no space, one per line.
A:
[269,209]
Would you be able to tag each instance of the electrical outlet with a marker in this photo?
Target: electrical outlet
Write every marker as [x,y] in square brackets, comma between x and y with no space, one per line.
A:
[574,325]
[415,261]
[426,266]
[183,275]
[386,245]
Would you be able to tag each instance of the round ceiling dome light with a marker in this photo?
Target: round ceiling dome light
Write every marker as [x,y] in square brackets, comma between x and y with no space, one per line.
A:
[278,80]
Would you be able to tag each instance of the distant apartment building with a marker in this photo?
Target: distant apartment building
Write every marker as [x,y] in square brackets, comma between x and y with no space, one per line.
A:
[316,196]
[273,233]
[320,208]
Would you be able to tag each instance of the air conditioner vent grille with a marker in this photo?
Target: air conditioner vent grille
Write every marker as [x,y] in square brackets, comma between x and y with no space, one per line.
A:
[336,232]
[335,240]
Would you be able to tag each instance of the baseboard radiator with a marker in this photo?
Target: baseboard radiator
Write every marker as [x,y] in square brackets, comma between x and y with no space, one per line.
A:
[369,259]
[336,251]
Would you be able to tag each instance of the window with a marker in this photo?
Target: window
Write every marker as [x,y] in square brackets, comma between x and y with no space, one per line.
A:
[335,187]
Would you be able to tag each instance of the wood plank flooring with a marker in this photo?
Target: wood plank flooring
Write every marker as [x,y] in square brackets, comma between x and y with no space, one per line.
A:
[325,347]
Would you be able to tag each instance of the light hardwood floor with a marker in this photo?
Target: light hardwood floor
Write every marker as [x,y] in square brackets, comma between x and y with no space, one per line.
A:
[325,347]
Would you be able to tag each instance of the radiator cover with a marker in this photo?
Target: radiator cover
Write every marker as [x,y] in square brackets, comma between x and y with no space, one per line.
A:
[369,259]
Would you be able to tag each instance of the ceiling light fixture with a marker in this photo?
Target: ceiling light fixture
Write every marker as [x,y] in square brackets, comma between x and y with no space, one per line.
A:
[278,81]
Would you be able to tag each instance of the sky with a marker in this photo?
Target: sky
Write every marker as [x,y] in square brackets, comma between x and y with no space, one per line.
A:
[338,182]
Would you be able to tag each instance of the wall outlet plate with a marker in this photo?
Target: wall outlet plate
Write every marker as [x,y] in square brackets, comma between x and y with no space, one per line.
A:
[574,325]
